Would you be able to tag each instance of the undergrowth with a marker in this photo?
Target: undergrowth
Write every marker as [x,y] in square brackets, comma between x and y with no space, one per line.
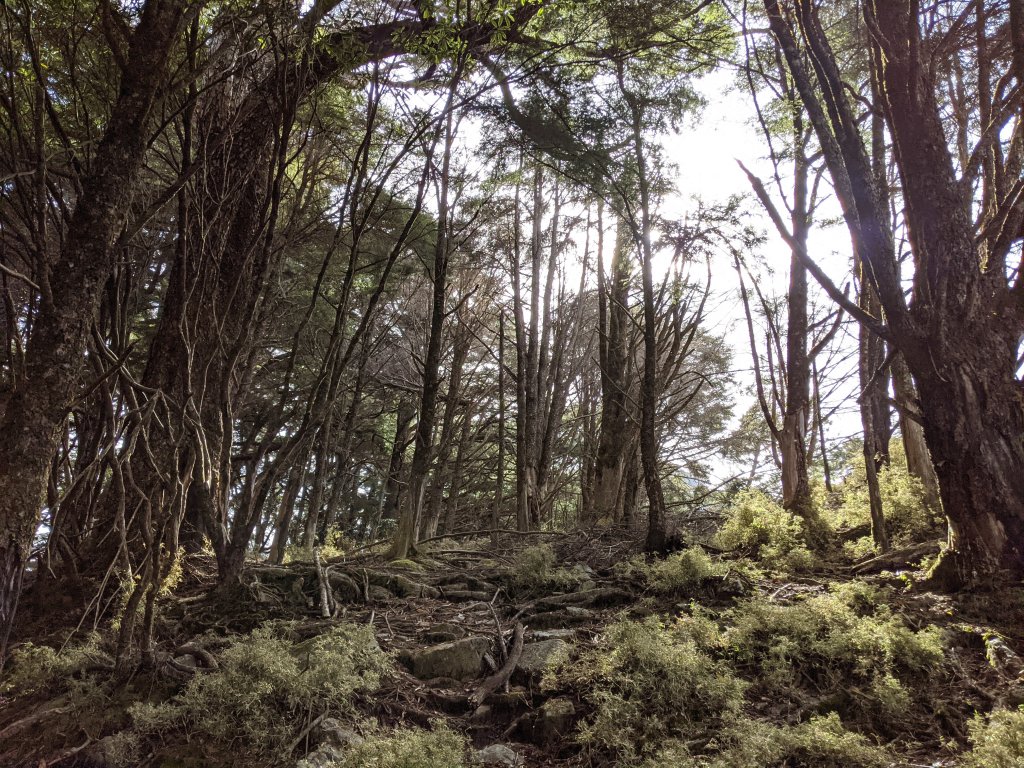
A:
[408,748]
[998,740]
[649,682]
[844,641]
[821,742]
[756,526]
[266,688]
[535,569]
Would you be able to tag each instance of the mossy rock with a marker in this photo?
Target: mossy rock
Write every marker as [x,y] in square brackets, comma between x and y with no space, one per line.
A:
[458,660]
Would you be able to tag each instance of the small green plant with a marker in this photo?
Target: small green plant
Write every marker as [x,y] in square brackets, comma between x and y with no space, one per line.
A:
[758,526]
[907,514]
[266,687]
[408,748]
[678,574]
[821,742]
[535,569]
[37,667]
[841,641]
[998,740]
[649,682]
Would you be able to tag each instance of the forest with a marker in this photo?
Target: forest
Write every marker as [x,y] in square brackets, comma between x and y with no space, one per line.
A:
[451,383]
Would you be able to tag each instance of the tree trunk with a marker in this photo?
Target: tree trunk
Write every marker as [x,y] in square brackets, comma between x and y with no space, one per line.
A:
[409,522]
[919,459]
[36,410]
[610,463]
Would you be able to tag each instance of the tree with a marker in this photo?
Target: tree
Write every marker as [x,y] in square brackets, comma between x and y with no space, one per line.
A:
[962,355]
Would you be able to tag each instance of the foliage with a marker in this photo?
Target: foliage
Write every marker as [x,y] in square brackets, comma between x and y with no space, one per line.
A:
[678,574]
[649,682]
[265,687]
[907,515]
[38,667]
[821,742]
[843,640]
[998,740]
[535,570]
[758,526]
[408,748]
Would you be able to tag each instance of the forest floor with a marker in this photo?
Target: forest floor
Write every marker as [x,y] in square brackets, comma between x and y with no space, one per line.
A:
[550,650]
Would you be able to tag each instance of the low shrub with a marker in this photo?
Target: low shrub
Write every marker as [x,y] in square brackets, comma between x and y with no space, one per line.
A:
[998,740]
[821,742]
[908,517]
[38,667]
[535,569]
[266,687]
[408,748]
[841,641]
[757,526]
[649,682]
[681,573]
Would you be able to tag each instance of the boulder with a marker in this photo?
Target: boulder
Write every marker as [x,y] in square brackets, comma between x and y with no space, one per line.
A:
[554,634]
[553,721]
[459,659]
[499,754]
[539,657]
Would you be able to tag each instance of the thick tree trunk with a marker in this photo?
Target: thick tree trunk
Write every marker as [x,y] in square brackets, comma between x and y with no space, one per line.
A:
[37,408]
[610,463]
[974,424]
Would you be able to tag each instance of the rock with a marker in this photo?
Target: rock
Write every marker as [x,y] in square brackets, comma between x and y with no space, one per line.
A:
[400,585]
[538,658]
[460,659]
[409,565]
[499,754]
[325,756]
[335,733]
[551,722]
[345,588]
[378,592]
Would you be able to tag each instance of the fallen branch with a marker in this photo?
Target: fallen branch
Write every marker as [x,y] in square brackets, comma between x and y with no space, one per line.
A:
[898,558]
[499,678]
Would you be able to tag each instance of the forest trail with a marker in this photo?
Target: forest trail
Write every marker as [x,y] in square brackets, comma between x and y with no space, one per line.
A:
[514,657]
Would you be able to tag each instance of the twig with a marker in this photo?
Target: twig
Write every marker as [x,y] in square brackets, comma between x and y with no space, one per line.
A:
[306,731]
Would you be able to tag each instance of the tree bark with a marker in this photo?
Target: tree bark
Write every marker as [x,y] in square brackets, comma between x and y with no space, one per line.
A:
[37,408]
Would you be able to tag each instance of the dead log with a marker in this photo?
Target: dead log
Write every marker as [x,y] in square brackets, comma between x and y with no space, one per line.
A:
[898,558]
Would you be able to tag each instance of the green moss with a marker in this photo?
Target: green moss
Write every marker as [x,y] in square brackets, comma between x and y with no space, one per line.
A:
[408,565]
[998,740]
[844,640]
[535,570]
[681,573]
[38,667]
